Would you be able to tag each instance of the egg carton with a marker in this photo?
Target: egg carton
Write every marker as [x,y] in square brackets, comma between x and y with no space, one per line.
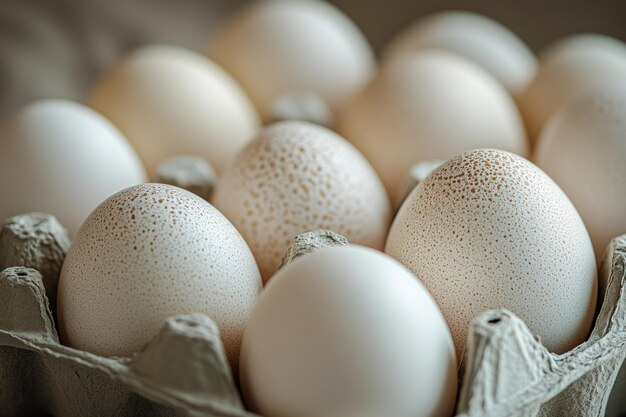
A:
[183,371]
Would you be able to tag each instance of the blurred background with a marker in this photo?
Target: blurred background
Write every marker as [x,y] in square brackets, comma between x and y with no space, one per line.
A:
[57,48]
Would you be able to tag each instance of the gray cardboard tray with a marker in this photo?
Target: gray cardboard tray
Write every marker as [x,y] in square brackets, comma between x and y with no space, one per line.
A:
[183,370]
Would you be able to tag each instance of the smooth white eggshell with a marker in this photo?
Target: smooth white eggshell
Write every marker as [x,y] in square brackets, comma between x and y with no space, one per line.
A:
[573,66]
[489,230]
[62,158]
[343,332]
[429,105]
[296,177]
[147,253]
[478,38]
[170,101]
[276,47]
[583,149]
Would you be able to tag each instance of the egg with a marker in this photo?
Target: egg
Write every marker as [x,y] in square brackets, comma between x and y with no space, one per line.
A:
[62,158]
[488,229]
[275,48]
[170,101]
[582,148]
[296,177]
[147,253]
[573,66]
[347,331]
[478,38]
[429,105]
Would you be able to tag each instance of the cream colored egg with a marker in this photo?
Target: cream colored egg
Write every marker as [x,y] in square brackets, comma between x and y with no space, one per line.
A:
[583,149]
[489,230]
[275,48]
[344,332]
[170,101]
[62,158]
[296,177]
[478,38]
[429,105]
[147,253]
[574,66]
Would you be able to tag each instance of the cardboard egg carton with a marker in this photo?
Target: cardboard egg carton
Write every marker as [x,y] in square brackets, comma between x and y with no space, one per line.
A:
[183,371]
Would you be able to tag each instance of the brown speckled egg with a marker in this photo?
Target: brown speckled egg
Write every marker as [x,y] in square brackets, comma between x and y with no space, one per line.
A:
[147,253]
[296,177]
[488,230]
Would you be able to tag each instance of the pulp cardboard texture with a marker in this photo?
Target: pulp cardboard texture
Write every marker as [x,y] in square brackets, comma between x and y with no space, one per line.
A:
[309,242]
[183,370]
[508,372]
[39,241]
[192,173]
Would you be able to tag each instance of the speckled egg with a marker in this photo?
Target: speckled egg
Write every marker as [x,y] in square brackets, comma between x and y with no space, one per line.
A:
[429,105]
[296,177]
[487,230]
[478,38]
[573,66]
[583,149]
[147,253]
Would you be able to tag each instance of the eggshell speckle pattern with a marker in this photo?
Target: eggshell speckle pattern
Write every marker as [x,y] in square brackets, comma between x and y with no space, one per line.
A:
[487,230]
[583,149]
[147,253]
[296,177]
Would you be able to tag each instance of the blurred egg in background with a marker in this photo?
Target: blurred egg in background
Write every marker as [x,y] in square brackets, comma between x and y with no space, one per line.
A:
[582,148]
[429,105]
[571,67]
[478,38]
[170,101]
[275,48]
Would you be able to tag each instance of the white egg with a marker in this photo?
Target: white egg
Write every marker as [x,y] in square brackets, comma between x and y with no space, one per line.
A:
[429,105]
[478,38]
[487,230]
[344,332]
[583,149]
[571,67]
[170,101]
[275,48]
[296,177]
[147,253]
[62,158]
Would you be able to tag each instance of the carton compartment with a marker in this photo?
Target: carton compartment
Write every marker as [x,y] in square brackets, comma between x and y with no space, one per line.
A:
[183,371]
